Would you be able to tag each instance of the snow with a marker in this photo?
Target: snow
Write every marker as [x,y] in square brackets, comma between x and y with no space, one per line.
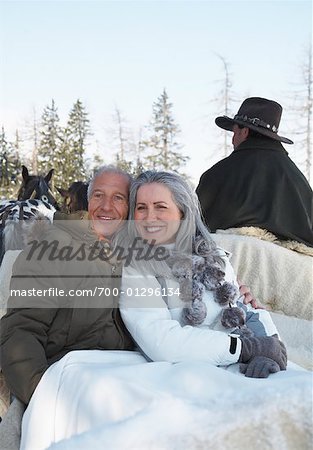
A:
[116,400]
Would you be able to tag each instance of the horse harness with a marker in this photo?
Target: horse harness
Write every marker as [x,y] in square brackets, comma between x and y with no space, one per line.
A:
[15,210]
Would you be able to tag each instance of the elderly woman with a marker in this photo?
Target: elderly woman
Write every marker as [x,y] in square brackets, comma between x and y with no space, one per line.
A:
[183,303]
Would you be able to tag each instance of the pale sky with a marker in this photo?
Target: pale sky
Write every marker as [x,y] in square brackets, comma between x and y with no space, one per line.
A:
[124,53]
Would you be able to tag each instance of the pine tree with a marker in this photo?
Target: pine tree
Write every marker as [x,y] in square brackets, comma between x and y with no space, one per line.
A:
[134,168]
[75,136]
[161,143]
[15,163]
[35,143]
[10,165]
[120,136]
[97,162]
[4,174]
[49,155]
[64,176]
[30,143]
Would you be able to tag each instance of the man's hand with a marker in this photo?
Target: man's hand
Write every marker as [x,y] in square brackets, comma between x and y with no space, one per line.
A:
[248,297]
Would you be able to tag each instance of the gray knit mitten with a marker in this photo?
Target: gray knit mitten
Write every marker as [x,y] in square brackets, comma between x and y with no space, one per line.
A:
[259,367]
[268,346]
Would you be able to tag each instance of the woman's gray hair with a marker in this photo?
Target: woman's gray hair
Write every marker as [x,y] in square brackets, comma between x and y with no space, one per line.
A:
[110,168]
[183,196]
[187,202]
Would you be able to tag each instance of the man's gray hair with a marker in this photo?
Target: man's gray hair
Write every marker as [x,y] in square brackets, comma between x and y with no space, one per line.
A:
[110,168]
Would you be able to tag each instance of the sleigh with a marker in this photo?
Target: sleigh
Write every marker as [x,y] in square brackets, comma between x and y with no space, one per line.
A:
[112,399]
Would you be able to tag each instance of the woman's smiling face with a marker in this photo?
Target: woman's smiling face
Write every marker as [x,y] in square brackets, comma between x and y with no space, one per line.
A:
[157,216]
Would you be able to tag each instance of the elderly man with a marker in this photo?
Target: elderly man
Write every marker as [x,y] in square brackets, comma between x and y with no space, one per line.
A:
[258,185]
[64,289]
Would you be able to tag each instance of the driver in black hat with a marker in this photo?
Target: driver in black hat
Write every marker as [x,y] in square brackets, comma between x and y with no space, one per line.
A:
[258,184]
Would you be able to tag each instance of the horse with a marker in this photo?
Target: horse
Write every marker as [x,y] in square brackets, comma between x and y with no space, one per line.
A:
[75,197]
[34,201]
[36,187]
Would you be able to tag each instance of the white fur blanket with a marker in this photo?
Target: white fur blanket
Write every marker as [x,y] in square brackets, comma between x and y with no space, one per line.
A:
[280,278]
[116,400]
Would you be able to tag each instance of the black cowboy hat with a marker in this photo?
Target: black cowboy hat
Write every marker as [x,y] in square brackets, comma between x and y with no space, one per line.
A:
[258,114]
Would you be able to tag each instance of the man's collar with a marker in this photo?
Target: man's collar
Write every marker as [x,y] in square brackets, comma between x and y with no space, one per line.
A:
[253,143]
[79,226]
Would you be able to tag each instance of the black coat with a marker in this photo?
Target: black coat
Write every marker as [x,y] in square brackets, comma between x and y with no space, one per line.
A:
[258,185]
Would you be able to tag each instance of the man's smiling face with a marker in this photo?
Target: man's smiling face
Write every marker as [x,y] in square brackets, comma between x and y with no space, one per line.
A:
[108,203]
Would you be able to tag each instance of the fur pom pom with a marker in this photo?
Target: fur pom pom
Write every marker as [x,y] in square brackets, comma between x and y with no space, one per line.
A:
[203,270]
[212,277]
[182,267]
[195,313]
[190,290]
[197,291]
[226,293]
[233,317]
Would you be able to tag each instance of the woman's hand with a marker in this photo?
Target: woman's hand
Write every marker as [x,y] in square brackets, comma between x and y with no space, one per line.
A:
[266,346]
[248,297]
